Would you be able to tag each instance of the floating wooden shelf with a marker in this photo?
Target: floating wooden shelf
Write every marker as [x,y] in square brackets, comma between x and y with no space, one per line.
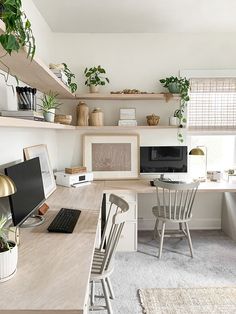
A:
[34,73]
[98,96]
[115,127]
[22,123]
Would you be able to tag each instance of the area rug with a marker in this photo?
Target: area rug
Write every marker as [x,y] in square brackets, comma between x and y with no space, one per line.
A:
[188,301]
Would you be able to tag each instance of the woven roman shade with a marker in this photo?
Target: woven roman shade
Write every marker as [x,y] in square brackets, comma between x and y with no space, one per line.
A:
[212,104]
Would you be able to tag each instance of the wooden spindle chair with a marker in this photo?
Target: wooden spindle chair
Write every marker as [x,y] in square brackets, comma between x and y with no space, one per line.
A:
[174,204]
[102,261]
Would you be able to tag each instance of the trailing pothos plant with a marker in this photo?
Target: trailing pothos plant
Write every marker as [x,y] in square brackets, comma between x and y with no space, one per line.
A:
[181,86]
[70,76]
[18,33]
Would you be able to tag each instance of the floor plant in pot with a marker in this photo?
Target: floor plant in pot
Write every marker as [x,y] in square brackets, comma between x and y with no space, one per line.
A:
[49,106]
[181,86]
[94,78]
[8,253]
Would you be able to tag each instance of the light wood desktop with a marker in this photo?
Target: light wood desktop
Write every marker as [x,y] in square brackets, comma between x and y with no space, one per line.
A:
[54,269]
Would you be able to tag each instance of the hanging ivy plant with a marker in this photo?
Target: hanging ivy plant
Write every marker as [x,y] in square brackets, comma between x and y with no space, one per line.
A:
[181,86]
[18,32]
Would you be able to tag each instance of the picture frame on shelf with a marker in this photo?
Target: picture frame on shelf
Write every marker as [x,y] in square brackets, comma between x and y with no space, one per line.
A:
[111,156]
[127,113]
[41,151]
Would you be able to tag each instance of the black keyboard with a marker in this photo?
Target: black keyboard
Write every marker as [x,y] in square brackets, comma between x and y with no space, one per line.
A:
[65,220]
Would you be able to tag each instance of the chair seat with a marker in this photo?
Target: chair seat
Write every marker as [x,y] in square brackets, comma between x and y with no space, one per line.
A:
[160,214]
[96,272]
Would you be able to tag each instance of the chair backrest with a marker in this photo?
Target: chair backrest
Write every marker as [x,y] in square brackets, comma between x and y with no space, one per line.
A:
[116,218]
[175,200]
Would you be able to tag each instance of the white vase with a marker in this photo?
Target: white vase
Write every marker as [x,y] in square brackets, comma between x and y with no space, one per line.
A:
[174,121]
[8,263]
[49,115]
[94,88]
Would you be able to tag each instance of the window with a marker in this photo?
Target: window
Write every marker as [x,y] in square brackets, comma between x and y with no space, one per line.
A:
[220,150]
[212,104]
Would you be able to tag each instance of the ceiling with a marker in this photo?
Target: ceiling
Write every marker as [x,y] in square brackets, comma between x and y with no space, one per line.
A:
[138,16]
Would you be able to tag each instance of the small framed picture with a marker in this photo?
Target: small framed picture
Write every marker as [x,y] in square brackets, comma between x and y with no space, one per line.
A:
[41,151]
[127,113]
[111,156]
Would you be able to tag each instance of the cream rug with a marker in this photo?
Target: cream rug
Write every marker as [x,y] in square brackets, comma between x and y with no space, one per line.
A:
[188,301]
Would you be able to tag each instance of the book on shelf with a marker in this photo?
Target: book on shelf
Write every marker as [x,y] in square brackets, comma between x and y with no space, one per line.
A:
[61,75]
[21,113]
[127,122]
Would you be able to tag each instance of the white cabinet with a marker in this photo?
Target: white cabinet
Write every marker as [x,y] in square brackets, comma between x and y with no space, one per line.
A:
[128,238]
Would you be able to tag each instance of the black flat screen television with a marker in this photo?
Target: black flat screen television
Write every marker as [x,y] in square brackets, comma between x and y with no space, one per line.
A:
[163,159]
[30,193]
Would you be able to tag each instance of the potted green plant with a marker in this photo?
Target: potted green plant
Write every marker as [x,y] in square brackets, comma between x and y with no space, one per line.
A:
[181,86]
[8,253]
[49,106]
[94,78]
[18,32]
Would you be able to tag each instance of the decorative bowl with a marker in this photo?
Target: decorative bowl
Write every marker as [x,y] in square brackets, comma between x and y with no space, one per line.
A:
[63,118]
[153,119]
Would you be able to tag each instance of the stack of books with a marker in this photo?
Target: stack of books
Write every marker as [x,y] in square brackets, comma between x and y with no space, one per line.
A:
[23,114]
[127,117]
[61,75]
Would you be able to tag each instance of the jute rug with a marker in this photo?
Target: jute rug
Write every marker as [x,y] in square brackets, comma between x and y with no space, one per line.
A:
[188,301]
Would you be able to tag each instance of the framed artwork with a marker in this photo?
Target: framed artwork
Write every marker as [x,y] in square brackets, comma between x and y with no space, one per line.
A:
[111,156]
[41,151]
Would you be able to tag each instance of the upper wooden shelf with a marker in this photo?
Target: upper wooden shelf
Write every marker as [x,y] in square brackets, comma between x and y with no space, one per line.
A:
[34,73]
[98,96]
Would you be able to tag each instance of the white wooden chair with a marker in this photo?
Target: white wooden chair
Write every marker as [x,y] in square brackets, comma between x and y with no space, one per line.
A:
[174,204]
[102,260]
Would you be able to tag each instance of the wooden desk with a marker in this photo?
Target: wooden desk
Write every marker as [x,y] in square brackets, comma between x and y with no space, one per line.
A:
[143,186]
[53,269]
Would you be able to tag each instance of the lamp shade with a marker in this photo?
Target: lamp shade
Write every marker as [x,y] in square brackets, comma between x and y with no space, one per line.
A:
[7,186]
[196,152]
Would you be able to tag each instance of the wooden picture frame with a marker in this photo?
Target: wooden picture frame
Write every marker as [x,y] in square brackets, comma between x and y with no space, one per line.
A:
[111,156]
[49,183]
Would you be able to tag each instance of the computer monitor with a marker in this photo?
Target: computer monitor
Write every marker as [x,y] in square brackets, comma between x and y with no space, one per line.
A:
[163,159]
[30,193]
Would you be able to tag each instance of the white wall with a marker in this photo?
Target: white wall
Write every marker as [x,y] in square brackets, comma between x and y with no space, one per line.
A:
[131,61]
[41,31]
[13,140]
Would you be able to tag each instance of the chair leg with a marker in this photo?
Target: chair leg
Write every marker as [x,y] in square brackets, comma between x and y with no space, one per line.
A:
[162,238]
[109,285]
[189,239]
[92,293]
[155,231]
[106,295]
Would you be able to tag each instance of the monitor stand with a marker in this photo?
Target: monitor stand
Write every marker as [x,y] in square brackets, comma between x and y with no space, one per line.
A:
[33,221]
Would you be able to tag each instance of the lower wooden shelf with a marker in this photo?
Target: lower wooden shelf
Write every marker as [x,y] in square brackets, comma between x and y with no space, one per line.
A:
[22,123]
